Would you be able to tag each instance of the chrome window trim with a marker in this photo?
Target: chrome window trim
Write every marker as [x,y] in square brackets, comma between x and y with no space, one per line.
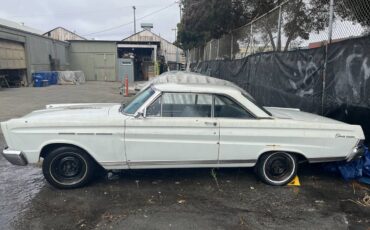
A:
[159,93]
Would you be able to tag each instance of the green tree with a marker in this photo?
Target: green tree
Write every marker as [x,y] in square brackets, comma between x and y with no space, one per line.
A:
[204,20]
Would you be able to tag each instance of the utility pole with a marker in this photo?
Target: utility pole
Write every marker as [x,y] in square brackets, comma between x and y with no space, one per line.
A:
[180,10]
[134,8]
[177,51]
[179,2]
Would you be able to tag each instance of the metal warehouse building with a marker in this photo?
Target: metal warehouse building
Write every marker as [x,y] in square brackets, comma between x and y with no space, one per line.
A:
[143,55]
[140,56]
[23,51]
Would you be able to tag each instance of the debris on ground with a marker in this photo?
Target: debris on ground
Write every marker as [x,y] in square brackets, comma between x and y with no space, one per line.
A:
[213,174]
[365,202]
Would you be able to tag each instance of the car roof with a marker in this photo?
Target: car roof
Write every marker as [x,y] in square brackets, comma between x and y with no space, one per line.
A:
[185,81]
[196,88]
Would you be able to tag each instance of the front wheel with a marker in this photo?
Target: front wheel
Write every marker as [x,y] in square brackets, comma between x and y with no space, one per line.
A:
[68,167]
[277,168]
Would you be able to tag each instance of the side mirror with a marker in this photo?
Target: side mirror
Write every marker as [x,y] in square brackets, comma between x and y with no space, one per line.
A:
[139,115]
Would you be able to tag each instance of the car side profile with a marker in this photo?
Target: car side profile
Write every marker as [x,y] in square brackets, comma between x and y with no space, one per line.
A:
[177,124]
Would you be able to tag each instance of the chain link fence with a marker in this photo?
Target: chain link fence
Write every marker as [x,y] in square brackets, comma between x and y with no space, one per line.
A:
[295,24]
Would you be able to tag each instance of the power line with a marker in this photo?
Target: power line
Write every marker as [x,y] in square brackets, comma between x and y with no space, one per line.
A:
[128,23]
[77,13]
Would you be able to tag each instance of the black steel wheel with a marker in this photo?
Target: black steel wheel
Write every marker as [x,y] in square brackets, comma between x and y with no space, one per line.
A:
[68,167]
[277,168]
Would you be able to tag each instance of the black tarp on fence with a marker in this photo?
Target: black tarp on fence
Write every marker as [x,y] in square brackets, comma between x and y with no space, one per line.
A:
[299,79]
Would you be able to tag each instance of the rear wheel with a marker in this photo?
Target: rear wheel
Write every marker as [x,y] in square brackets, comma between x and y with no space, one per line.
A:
[68,167]
[277,168]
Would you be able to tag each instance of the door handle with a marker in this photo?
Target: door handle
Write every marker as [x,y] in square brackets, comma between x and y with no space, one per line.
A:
[211,123]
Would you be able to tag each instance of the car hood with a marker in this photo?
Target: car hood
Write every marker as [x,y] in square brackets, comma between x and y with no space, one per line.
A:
[296,114]
[60,112]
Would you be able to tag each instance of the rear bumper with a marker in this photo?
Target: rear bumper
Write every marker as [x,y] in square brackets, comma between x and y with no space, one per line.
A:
[357,152]
[14,156]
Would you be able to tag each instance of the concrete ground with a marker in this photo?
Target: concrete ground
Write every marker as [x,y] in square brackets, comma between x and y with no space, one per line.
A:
[167,199]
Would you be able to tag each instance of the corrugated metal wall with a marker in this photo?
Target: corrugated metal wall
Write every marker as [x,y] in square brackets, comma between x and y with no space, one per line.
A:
[97,59]
[39,50]
[12,55]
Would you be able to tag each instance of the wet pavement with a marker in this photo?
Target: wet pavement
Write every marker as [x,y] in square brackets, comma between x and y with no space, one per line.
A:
[179,199]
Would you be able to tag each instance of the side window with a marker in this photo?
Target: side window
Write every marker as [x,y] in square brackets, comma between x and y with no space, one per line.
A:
[186,105]
[154,110]
[225,107]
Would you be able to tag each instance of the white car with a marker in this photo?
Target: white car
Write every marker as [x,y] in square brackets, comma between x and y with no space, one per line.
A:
[177,125]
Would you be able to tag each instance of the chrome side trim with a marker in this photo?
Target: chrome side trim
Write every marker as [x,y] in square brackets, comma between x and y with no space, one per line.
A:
[14,156]
[139,163]
[112,163]
[237,161]
[85,133]
[325,159]
[205,162]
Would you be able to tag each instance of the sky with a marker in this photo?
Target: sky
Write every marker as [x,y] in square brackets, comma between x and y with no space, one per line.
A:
[86,17]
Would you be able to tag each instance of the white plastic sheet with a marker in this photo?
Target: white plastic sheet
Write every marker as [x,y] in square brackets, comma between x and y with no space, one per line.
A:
[71,77]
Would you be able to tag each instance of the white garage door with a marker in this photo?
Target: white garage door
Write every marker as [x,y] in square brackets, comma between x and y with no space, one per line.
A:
[12,55]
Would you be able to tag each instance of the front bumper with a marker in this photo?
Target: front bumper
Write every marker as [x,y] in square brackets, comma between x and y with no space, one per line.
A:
[15,157]
[357,152]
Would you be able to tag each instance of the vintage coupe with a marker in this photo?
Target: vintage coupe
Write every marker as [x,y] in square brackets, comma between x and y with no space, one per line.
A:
[183,124]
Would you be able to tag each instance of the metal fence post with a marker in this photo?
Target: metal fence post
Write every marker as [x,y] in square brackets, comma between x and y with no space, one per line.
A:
[198,57]
[204,52]
[278,43]
[188,59]
[232,46]
[331,21]
[330,33]
[218,49]
[252,40]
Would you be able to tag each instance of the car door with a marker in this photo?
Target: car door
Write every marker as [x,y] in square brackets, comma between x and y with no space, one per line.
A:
[178,130]
[240,139]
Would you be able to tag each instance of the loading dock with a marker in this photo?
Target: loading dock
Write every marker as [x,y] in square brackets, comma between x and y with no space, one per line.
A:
[12,62]
[144,57]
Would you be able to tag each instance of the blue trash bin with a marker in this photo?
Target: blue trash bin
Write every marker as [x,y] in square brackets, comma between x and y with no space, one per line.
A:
[37,80]
[50,76]
[54,77]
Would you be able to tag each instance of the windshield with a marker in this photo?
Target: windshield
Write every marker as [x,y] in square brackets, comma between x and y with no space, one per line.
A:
[138,101]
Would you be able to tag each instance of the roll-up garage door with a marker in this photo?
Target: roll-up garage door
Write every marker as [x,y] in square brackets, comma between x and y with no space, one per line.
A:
[12,55]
